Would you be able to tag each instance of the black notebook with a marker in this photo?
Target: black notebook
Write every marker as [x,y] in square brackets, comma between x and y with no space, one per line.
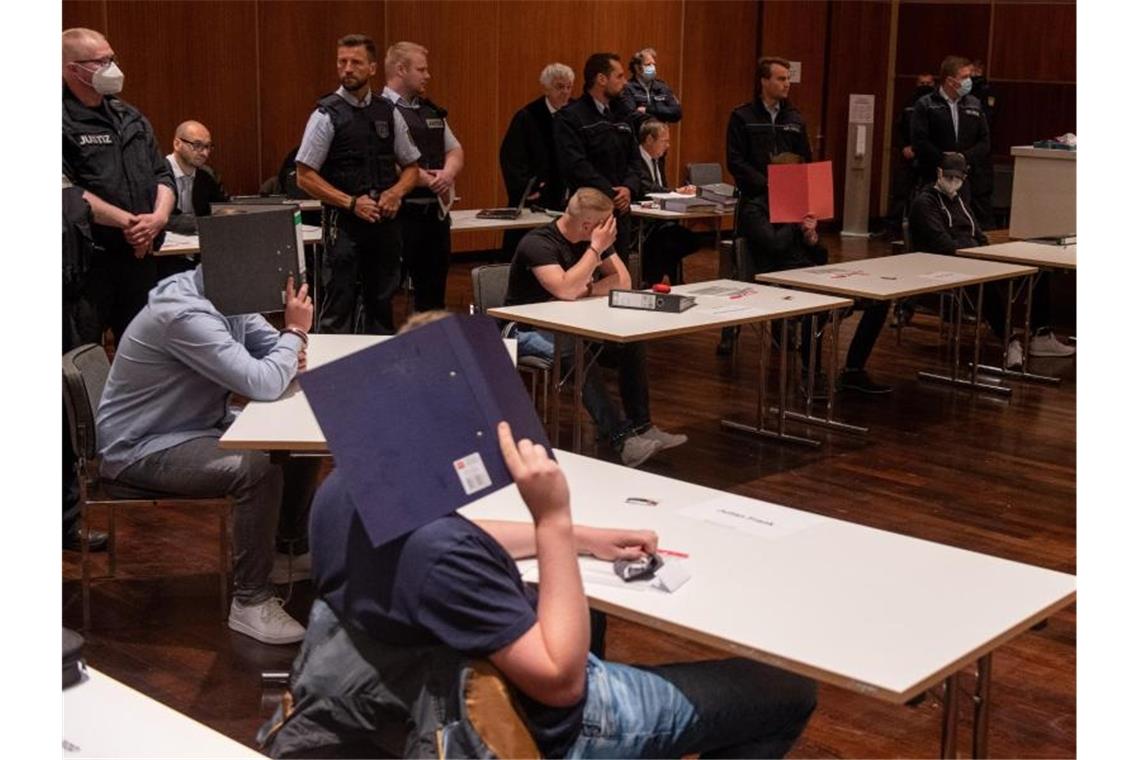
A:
[248,252]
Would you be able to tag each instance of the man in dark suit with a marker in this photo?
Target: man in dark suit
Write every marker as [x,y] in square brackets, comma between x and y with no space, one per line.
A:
[528,150]
[666,243]
[196,187]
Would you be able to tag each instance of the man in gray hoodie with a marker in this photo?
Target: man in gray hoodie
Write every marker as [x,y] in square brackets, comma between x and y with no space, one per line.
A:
[166,404]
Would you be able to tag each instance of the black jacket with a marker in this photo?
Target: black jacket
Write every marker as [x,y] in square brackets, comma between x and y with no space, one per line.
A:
[595,151]
[659,100]
[754,138]
[932,134]
[648,185]
[528,151]
[111,151]
[939,224]
[205,190]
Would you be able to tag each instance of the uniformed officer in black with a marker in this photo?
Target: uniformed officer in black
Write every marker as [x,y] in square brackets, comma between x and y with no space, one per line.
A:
[424,218]
[596,143]
[758,132]
[527,150]
[356,158]
[646,93]
[951,120]
[905,179]
[110,151]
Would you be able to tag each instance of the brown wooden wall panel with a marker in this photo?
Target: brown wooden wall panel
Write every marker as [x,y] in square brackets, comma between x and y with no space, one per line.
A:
[928,32]
[796,31]
[462,39]
[859,44]
[626,26]
[194,60]
[1035,42]
[91,14]
[297,53]
[532,35]
[1031,111]
[720,59]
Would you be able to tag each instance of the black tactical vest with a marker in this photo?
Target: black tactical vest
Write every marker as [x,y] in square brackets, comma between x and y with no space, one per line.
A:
[426,127]
[362,156]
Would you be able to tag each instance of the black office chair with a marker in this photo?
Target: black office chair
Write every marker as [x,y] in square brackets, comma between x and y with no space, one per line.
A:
[489,291]
[85,371]
[703,174]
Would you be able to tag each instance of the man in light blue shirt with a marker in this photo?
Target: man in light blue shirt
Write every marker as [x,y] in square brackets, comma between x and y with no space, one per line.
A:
[165,405]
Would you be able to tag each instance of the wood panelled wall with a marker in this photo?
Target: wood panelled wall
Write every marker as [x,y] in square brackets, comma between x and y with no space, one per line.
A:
[252,69]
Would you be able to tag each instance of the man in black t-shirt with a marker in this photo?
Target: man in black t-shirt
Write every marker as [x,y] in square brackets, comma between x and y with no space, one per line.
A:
[454,583]
[559,261]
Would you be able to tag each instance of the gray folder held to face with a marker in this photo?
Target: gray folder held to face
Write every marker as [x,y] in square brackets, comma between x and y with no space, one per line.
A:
[248,252]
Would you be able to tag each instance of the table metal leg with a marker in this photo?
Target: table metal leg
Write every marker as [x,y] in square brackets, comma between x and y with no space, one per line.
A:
[579,371]
[982,706]
[829,421]
[954,378]
[950,718]
[760,427]
[556,380]
[1023,372]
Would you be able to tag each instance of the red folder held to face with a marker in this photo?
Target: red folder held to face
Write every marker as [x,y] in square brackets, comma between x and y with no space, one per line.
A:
[797,190]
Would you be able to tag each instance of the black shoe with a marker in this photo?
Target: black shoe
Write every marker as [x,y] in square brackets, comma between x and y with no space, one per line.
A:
[97,540]
[819,388]
[859,380]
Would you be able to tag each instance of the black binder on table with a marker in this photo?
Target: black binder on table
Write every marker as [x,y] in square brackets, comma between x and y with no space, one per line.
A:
[412,423]
[248,252]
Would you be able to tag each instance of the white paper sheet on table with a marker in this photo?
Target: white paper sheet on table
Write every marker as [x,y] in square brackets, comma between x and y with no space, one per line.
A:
[756,518]
[668,196]
[176,240]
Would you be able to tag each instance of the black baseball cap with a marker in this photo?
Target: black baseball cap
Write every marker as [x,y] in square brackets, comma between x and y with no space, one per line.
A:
[953,165]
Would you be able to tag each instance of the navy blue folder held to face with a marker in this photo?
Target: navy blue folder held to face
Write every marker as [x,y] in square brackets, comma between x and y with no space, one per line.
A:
[412,423]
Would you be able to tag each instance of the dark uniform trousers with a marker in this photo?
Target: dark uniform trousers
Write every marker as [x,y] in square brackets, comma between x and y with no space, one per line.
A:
[427,252]
[362,257]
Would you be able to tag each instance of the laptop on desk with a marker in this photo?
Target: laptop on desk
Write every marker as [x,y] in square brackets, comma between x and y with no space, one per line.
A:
[508,213]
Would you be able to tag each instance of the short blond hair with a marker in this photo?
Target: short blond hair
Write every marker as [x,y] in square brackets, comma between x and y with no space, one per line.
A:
[401,52]
[421,318]
[589,199]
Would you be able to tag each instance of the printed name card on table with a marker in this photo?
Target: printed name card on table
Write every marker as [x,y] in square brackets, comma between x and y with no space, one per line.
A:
[756,518]
[799,190]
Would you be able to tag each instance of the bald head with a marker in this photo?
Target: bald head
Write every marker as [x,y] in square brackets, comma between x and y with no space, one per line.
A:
[83,44]
[192,144]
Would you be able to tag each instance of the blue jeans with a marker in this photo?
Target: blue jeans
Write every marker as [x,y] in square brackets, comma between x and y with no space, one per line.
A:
[633,380]
[726,708]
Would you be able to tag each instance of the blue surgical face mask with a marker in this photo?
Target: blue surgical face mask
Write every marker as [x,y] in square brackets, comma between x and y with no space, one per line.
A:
[649,72]
[964,87]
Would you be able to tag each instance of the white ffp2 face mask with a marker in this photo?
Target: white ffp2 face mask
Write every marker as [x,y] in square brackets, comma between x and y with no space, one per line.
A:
[950,185]
[108,80]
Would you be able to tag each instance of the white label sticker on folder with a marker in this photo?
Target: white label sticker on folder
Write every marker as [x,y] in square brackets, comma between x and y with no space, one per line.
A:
[472,473]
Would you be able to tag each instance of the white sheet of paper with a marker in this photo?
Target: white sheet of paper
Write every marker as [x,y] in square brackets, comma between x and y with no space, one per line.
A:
[756,518]
[666,196]
[176,240]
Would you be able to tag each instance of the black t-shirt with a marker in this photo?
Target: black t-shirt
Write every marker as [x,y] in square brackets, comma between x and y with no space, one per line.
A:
[541,246]
[448,582]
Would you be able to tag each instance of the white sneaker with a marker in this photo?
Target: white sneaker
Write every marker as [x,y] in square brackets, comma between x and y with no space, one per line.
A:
[637,448]
[1048,345]
[287,569]
[1014,355]
[268,622]
[668,440]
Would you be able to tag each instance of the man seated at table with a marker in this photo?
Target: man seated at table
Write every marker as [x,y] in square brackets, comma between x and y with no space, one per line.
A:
[165,406]
[666,243]
[941,222]
[558,262]
[775,247]
[197,187]
[423,605]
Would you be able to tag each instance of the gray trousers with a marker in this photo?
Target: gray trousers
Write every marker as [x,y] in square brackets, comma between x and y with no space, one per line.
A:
[198,468]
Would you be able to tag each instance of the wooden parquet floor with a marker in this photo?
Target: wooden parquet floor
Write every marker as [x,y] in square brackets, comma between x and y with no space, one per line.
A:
[987,474]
